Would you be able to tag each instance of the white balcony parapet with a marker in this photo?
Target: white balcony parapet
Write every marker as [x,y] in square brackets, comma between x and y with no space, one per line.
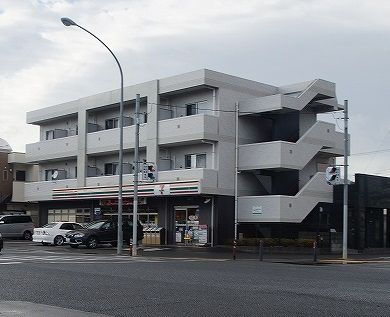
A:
[108,140]
[52,149]
[39,191]
[297,101]
[188,128]
[281,208]
[321,137]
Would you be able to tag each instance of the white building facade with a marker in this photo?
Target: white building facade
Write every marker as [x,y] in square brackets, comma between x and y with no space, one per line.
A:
[187,129]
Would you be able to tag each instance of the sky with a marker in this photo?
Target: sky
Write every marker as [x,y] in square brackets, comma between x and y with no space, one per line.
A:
[43,63]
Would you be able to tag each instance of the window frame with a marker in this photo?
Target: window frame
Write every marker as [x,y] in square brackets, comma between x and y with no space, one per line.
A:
[194,158]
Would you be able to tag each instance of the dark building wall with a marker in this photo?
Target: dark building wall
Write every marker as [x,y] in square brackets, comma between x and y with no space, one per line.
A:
[367,198]
[5,178]
[224,222]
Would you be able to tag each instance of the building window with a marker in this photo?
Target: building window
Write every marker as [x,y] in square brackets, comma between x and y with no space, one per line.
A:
[20,176]
[111,169]
[55,174]
[112,123]
[5,175]
[196,107]
[50,135]
[191,109]
[195,161]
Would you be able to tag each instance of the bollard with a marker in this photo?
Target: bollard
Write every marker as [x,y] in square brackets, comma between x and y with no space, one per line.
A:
[261,250]
[234,249]
[315,251]
[131,249]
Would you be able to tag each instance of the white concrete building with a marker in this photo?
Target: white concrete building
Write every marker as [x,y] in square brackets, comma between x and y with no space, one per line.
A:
[188,129]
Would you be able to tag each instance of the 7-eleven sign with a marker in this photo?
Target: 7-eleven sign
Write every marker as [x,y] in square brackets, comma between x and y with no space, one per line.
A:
[162,189]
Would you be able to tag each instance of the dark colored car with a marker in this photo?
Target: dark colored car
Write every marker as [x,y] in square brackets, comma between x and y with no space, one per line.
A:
[100,232]
[1,242]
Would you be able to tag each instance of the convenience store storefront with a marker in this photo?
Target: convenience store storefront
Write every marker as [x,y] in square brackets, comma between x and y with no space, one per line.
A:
[179,207]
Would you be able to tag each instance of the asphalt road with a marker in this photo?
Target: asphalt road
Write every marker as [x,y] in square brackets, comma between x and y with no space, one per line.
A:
[98,281]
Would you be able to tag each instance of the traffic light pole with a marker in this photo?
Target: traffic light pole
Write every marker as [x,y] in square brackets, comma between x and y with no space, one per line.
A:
[345,208]
[136,170]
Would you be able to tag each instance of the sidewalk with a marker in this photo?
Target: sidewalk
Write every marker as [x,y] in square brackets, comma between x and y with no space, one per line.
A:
[225,252]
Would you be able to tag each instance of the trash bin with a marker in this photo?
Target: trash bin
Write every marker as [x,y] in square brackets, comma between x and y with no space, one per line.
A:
[154,236]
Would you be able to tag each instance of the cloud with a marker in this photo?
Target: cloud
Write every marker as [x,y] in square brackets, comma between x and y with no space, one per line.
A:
[273,41]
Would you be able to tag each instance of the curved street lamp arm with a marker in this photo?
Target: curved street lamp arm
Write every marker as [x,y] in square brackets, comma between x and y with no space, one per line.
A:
[119,65]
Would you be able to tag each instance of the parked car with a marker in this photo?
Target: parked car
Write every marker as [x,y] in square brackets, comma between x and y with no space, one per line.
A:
[1,242]
[16,226]
[100,232]
[54,232]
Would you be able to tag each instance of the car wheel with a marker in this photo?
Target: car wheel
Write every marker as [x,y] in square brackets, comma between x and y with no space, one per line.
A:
[74,246]
[27,235]
[59,240]
[92,243]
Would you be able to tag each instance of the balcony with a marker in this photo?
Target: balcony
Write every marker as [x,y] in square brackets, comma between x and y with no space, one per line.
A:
[108,140]
[187,129]
[280,208]
[52,149]
[321,137]
[37,191]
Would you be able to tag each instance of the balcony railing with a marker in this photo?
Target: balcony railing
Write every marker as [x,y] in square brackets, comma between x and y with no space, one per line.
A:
[52,149]
[188,128]
[108,140]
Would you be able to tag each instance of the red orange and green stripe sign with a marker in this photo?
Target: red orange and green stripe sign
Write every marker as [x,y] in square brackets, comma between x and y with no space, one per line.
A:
[144,190]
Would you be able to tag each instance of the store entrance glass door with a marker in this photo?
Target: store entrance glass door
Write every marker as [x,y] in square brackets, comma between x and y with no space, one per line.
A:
[186,222]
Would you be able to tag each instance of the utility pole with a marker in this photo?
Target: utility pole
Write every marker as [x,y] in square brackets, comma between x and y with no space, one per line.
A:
[236,174]
[136,170]
[345,208]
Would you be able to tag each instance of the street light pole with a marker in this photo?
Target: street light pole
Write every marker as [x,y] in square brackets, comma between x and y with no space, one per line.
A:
[69,22]
[136,170]
[345,193]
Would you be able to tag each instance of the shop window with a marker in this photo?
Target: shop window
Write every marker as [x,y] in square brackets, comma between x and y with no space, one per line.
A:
[195,161]
[83,215]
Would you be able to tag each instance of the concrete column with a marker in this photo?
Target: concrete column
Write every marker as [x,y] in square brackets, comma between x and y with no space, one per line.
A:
[152,142]
[82,148]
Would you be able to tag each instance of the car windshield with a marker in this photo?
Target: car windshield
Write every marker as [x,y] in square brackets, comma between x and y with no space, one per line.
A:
[50,225]
[88,224]
[96,225]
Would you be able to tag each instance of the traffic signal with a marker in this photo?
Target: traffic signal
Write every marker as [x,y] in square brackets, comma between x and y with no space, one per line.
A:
[144,170]
[151,172]
[332,175]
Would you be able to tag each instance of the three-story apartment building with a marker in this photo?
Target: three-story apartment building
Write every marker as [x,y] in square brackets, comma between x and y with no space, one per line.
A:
[188,129]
